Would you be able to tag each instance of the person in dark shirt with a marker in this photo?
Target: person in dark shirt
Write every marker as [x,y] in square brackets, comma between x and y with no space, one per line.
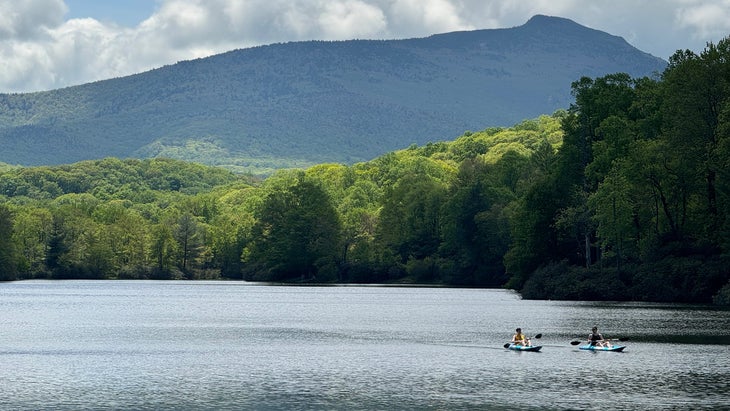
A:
[596,339]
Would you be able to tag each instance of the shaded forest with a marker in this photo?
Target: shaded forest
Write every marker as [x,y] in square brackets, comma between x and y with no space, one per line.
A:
[624,196]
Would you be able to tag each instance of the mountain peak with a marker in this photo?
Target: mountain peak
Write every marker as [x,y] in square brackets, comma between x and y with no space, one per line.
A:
[541,20]
[565,27]
[302,103]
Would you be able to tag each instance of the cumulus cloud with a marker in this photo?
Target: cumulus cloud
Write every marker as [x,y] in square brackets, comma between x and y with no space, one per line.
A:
[29,19]
[706,20]
[41,49]
[434,16]
[350,18]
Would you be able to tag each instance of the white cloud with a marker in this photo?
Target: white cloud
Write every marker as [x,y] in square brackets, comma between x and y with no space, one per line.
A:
[29,19]
[350,18]
[432,16]
[40,50]
[705,20]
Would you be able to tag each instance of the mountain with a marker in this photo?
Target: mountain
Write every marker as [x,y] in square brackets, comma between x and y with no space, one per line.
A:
[301,103]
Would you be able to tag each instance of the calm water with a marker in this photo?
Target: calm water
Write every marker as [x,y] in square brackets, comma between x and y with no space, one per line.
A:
[78,345]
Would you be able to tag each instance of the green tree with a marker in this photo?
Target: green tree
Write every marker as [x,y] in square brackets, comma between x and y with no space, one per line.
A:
[613,213]
[475,228]
[595,133]
[534,239]
[696,91]
[124,233]
[32,231]
[296,235]
[8,257]
[57,247]
[359,216]
[409,227]
[230,233]
[163,250]
[187,236]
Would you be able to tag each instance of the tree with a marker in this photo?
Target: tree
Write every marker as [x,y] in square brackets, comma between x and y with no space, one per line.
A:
[612,211]
[230,233]
[597,130]
[409,224]
[696,90]
[163,249]
[57,247]
[187,236]
[8,258]
[32,231]
[296,235]
[124,232]
[359,215]
[475,228]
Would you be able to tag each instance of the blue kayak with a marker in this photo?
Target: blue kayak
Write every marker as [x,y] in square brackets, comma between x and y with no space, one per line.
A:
[524,347]
[617,348]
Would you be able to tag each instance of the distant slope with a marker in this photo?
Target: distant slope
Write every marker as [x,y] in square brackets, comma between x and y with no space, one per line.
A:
[297,104]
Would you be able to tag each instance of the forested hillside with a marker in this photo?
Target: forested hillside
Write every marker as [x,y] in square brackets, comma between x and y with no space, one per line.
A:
[637,202]
[625,196]
[303,103]
[171,219]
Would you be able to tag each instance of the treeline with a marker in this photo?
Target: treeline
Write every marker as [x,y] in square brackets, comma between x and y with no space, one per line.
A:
[636,204]
[100,219]
[431,214]
[623,196]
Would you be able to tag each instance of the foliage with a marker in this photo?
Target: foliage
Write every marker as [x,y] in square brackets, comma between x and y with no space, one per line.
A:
[562,281]
[296,234]
[625,196]
[389,219]
[8,264]
[646,203]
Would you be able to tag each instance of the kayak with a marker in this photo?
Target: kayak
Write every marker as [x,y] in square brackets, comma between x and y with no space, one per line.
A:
[617,348]
[524,347]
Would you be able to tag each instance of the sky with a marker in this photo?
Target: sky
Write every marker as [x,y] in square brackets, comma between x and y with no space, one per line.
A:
[50,44]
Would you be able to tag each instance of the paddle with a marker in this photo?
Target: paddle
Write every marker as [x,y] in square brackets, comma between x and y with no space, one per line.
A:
[611,339]
[535,337]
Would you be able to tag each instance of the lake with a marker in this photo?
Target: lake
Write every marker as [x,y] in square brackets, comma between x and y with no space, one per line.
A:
[150,345]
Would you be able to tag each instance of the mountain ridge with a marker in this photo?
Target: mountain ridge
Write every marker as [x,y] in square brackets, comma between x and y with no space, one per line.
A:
[301,103]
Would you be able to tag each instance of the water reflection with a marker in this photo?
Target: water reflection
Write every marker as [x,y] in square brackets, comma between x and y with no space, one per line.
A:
[218,345]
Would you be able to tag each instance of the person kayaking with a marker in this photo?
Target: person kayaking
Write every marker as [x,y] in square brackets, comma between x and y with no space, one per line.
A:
[595,338]
[520,339]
